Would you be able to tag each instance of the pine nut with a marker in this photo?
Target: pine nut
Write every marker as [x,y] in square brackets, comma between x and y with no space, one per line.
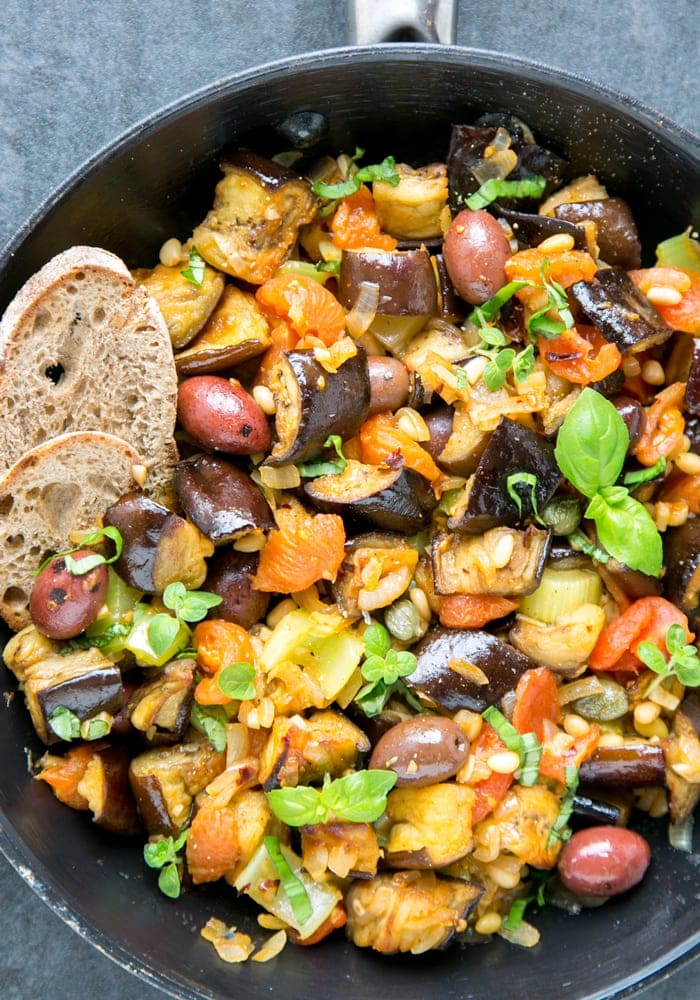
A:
[139,472]
[678,513]
[610,740]
[558,243]
[280,611]
[689,463]
[575,725]
[420,602]
[502,551]
[504,762]
[504,877]
[489,923]
[646,712]
[657,728]
[659,804]
[469,722]
[252,542]
[631,366]
[264,398]
[660,295]
[653,373]
[412,424]
[171,253]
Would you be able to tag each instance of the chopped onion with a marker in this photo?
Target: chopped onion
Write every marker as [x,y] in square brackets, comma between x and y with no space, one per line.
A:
[680,835]
[524,935]
[360,317]
[237,743]
[501,163]
[584,688]
[280,477]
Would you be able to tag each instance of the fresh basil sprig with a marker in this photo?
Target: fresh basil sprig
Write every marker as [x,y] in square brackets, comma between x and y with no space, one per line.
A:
[195,272]
[493,342]
[384,171]
[237,681]
[591,448]
[383,669]
[164,854]
[187,605]
[495,187]
[359,797]
[683,662]
[79,567]
[211,720]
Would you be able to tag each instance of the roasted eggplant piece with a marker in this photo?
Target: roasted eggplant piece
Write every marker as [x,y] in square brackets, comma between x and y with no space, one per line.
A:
[258,209]
[531,229]
[220,499]
[395,499]
[98,783]
[376,571]
[456,442]
[160,547]
[302,751]
[186,307]
[524,819]
[230,576]
[633,765]
[513,455]
[344,849]
[682,755]
[429,827]
[408,911]
[682,560]
[160,709]
[613,303]
[451,308]
[465,668]
[26,648]
[313,403]
[406,280]
[84,683]
[563,645]
[616,230]
[503,561]
[235,332]
[599,811]
[165,781]
[411,209]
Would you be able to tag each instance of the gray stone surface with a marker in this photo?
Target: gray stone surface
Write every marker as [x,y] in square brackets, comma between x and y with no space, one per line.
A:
[73,74]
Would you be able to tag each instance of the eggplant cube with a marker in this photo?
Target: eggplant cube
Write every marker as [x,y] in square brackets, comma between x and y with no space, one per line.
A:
[430,826]
[503,561]
[220,499]
[622,313]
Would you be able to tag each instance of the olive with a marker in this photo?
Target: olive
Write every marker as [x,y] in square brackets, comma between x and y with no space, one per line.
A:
[423,750]
[64,601]
[632,412]
[603,861]
[475,251]
[230,576]
[388,384]
[220,415]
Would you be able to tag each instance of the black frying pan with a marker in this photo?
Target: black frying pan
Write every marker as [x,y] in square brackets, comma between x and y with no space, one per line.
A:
[401,99]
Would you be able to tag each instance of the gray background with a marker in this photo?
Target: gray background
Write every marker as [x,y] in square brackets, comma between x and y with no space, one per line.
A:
[76,73]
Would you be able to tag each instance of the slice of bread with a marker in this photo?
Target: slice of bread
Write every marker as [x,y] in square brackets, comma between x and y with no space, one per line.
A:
[83,348]
[64,485]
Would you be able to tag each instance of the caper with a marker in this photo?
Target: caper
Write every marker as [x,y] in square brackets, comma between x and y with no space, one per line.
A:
[404,622]
[610,703]
[562,515]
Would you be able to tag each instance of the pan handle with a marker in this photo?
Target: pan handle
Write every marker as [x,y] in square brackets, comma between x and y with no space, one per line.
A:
[374,21]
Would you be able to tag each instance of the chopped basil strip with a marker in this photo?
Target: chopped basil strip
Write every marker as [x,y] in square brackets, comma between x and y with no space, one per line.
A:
[639,476]
[322,467]
[82,566]
[560,829]
[195,272]
[384,171]
[487,311]
[494,188]
[290,883]
[527,746]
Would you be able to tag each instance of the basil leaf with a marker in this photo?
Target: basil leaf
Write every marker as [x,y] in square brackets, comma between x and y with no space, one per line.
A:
[640,476]
[675,639]
[162,632]
[299,806]
[560,829]
[652,657]
[195,272]
[290,883]
[115,631]
[212,721]
[528,479]
[524,363]
[384,171]
[64,723]
[377,640]
[326,468]
[373,697]
[359,797]
[189,605]
[488,310]
[528,187]
[505,730]
[169,880]
[79,567]
[180,840]
[626,530]
[530,757]
[496,370]
[237,681]
[592,443]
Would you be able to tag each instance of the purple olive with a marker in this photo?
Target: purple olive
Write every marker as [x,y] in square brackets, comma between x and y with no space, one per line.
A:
[632,412]
[220,415]
[475,252]
[603,861]
[63,603]
[423,750]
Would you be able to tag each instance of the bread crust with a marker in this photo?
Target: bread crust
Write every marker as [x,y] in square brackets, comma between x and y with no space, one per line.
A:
[82,347]
[62,486]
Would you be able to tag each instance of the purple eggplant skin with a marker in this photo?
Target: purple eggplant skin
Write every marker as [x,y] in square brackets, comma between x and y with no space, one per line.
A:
[221,499]
[268,173]
[598,811]
[617,236]
[312,404]
[450,307]
[531,229]
[513,449]
[682,560]
[162,706]
[391,499]
[692,388]
[634,765]
[230,576]
[99,690]
[434,681]
[632,412]
[612,302]
[406,280]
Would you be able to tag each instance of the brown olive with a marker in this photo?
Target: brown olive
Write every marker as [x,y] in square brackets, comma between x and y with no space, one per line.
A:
[475,252]
[388,384]
[64,602]
[632,412]
[603,861]
[423,750]
[230,576]
[219,414]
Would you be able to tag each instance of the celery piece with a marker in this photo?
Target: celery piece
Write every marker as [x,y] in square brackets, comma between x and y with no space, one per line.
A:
[679,251]
[560,592]
[138,642]
[120,601]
